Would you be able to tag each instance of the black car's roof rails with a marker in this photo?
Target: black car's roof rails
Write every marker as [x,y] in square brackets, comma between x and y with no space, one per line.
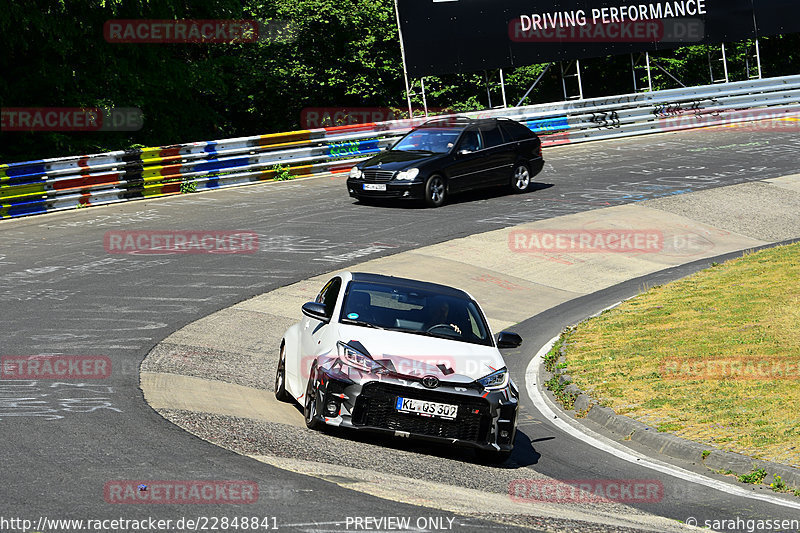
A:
[457,120]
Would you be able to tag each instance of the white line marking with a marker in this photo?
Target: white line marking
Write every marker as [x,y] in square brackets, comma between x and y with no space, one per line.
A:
[542,403]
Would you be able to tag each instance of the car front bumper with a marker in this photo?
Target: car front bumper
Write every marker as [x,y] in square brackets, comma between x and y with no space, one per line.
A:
[485,420]
[393,189]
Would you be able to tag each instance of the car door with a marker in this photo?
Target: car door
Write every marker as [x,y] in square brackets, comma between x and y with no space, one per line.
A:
[500,155]
[469,162]
[313,331]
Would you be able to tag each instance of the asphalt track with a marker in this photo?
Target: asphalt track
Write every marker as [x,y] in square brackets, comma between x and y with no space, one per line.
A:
[63,294]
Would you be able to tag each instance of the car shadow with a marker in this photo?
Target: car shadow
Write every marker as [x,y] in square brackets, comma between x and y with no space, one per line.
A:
[524,453]
[456,199]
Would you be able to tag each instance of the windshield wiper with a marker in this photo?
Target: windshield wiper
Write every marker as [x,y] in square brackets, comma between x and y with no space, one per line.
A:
[417,151]
[360,323]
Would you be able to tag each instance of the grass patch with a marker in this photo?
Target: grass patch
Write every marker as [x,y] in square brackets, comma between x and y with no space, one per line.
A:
[754,478]
[743,312]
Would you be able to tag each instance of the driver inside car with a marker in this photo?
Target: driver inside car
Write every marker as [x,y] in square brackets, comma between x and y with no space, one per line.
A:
[440,315]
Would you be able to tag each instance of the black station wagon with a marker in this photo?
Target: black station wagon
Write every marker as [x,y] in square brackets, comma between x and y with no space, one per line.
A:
[450,155]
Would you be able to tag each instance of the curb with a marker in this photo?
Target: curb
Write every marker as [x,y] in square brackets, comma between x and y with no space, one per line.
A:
[665,443]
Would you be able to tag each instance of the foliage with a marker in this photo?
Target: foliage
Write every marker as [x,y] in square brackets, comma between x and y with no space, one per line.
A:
[341,54]
[282,173]
[755,477]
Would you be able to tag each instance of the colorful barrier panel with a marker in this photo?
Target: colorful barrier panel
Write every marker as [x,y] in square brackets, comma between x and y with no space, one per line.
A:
[57,184]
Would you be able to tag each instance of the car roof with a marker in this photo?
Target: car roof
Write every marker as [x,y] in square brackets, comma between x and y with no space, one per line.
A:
[459,122]
[392,281]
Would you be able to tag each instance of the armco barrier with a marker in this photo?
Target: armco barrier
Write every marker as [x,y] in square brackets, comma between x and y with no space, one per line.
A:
[48,185]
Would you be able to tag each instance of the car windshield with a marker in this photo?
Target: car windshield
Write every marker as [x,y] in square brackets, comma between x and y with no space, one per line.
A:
[417,311]
[433,140]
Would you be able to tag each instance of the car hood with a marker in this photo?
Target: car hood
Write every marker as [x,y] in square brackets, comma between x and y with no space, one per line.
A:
[417,356]
[396,160]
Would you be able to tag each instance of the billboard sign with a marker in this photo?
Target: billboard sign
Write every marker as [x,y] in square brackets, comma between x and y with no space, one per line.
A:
[446,36]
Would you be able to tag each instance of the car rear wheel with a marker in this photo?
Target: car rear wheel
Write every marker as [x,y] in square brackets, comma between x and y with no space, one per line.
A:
[280,377]
[521,178]
[310,406]
[435,191]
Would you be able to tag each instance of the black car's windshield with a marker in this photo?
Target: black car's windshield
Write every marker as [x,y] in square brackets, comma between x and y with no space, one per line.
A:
[433,140]
[415,311]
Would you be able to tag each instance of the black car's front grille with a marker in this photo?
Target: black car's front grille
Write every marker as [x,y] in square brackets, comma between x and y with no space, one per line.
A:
[378,175]
[375,407]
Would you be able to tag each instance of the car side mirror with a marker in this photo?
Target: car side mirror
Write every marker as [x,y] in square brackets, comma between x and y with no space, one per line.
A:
[316,311]
[508,339]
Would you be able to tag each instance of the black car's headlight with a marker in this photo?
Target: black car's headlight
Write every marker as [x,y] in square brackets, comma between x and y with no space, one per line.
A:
[407,175]
[496,380]
[356,173]
[350,356]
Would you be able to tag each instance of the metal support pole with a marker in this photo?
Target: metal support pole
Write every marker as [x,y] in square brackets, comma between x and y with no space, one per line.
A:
[424,100]
[633,70]
[725,62]
[535,83]
[403,55]
[488,92]
[503,89]
[758,58]
[710,67]
[563,82]
[580,80]
[649,75]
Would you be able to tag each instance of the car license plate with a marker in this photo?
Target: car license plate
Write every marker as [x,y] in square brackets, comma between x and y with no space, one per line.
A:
[374,186]
[421,407]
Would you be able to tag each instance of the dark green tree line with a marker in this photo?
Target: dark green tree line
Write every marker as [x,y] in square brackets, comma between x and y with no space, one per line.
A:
[339,54]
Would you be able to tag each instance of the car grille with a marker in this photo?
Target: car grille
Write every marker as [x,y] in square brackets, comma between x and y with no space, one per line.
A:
[378,175]
[375,407]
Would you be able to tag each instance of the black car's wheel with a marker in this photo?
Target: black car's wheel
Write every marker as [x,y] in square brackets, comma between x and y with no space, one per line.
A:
[492,457]
[310,406]
[435,191]
[280,377]
[521,178]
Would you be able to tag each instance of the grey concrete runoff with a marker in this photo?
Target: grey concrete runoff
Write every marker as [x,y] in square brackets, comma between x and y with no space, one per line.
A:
[512,279]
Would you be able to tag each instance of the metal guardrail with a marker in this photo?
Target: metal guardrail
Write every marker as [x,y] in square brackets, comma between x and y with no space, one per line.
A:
[48,185]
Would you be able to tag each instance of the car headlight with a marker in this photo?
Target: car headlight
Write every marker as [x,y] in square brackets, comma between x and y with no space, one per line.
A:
[496,380]
[350,356]
[356,173]
[407,175]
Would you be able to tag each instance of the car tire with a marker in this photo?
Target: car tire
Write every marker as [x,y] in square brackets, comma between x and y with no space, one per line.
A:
[493,457]
[435,191]
[280,377]
[520,178]
[310,406]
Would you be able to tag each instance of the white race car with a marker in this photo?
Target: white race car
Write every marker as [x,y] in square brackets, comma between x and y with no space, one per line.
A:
[409,358]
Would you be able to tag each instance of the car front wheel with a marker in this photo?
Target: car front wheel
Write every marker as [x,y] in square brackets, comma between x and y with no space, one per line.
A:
[280,377]
[310,406]
[435,191]
[521,178]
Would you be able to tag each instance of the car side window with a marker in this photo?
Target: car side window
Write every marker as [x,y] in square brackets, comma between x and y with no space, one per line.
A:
[515,131]
[492,135]
[328,295]
[470,141]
